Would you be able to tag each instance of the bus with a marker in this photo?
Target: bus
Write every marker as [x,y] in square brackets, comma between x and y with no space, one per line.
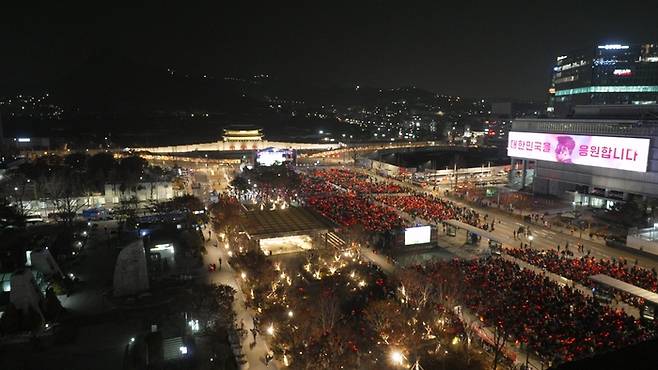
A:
[95,214]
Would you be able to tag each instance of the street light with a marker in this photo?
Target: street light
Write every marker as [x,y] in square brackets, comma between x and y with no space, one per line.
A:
[397,357]
[531,238]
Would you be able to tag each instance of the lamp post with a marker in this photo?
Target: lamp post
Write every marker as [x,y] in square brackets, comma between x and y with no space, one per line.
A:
[531,238]
[398,358]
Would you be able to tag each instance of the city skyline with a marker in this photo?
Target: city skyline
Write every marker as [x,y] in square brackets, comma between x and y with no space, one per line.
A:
[368,185]
[474,49]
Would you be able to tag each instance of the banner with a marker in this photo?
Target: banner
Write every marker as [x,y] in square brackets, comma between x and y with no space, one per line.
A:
[621,153]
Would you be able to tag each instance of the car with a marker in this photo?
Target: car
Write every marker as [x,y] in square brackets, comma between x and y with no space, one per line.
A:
[33,219]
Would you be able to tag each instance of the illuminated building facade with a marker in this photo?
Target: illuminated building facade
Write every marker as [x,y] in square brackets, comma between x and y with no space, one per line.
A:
[597,173]
[243,133]
[604,75]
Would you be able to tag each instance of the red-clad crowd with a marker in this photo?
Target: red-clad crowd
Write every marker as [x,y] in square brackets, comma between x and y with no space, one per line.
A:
[356,182]
[349,209]
[580,269]
[314,186]
[425,207]
[341,195]
[434,209]
[558,323]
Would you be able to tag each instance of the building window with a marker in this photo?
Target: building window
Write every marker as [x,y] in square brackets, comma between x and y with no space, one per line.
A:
[607,89]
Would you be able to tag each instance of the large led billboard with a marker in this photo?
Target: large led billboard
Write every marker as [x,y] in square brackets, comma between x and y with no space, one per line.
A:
[417,235]
[622,153]
[273,156]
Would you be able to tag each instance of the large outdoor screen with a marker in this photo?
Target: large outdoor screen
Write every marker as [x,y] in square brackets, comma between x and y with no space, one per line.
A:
[417,235]
[622,153]
[272,156]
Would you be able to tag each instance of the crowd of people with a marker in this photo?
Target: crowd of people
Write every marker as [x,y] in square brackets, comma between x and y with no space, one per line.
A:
[434,209]
[336,188]
[267,193]
[343,196]
[558,323]
[580,269]
[425,207]
[315,186]
[349,210]
[355,182]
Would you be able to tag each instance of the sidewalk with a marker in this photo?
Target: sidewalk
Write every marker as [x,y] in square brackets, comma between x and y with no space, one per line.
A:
[227,276]
[580,236]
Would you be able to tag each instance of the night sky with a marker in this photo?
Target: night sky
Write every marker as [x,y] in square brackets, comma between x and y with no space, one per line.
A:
[460,47]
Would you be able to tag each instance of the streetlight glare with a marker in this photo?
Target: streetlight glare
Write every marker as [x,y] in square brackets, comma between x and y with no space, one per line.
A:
[397,357]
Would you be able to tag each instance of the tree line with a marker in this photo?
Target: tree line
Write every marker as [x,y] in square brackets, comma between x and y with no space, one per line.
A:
[63,180]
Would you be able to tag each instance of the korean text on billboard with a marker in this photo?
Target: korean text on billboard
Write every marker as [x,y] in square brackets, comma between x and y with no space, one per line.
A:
[622,153]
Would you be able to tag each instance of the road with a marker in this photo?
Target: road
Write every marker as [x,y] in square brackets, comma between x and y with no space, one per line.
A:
[204,174]
[543,238]
[208,176]
[94,272]
[227,276]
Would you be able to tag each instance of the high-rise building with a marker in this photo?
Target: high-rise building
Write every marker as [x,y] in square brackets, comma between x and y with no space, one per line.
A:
[604,75]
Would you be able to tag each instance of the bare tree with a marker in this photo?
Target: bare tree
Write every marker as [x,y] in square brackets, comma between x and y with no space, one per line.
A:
[211,304]
[469,332]
[329,311]
[63,191]
[382,316]
[17,189]
[226,215]
[501,335]
[417,290]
